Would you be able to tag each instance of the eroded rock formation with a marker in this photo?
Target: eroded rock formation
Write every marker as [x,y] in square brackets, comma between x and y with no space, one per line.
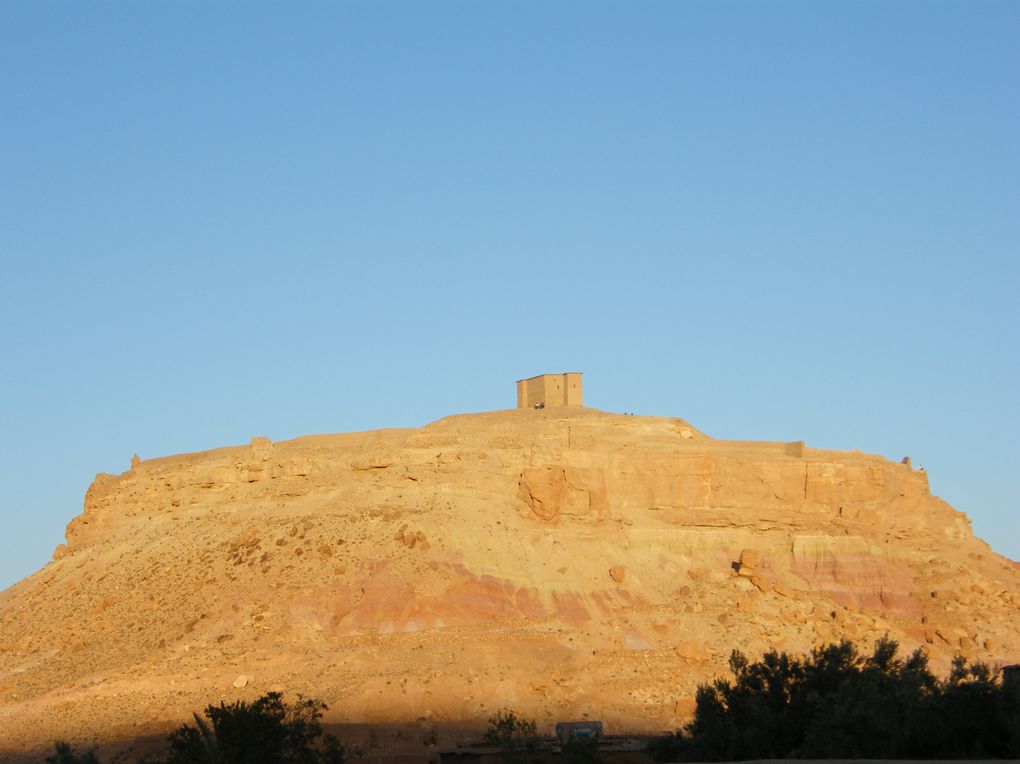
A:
[558,561]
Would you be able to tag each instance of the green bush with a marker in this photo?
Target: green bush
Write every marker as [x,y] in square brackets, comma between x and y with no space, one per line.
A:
[840,703]
[517,738]
[265,731]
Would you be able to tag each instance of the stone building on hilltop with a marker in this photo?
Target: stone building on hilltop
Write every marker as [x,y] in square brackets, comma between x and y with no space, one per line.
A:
[547,390]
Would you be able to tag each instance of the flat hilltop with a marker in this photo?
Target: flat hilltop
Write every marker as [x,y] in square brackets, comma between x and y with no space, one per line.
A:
[563,562]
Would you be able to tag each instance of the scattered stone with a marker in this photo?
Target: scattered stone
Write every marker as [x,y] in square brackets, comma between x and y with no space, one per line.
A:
[517,498]
[689,650]
[241,681]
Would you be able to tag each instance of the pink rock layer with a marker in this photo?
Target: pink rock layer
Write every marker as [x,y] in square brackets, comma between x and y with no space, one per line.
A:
[560,562]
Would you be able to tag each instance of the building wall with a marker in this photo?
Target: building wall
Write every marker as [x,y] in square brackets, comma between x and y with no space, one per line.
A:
[572,394]
[550,390]
[522,393]
[545,388]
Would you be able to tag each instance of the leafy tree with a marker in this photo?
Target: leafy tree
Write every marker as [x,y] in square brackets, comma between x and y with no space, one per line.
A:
[841,703]
[265,731]
[516,737]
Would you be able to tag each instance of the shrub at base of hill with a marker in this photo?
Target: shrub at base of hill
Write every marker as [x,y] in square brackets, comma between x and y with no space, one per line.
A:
[265,730]
[516,737]
[65,754]
[839,703]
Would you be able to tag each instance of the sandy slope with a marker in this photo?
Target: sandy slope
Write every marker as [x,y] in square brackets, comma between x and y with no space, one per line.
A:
[562,562]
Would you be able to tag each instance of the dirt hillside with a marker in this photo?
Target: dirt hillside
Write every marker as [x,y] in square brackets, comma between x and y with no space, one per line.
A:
[562,562]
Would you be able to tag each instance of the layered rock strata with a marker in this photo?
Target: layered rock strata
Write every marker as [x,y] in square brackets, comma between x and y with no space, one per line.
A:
[562,562]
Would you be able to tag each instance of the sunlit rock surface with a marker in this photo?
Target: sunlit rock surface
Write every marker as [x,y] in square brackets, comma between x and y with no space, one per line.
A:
[560,562]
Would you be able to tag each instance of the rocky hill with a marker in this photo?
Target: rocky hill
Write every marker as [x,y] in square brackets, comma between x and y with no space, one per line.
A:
[562,562]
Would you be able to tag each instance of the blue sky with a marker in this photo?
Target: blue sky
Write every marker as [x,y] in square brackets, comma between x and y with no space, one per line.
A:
[778,220]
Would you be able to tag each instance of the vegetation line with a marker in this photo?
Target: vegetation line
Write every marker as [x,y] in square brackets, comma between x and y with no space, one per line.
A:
[836,703]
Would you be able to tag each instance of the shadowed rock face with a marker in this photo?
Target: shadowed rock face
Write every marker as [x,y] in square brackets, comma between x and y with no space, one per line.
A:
[559,562]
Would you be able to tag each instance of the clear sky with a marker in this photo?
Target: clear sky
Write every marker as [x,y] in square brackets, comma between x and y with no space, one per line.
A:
[777,220]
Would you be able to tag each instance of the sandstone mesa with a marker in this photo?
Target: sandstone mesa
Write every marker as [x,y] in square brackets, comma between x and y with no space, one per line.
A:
[560,561]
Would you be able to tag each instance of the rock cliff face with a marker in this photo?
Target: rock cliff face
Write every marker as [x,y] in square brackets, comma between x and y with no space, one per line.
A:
[560,562]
